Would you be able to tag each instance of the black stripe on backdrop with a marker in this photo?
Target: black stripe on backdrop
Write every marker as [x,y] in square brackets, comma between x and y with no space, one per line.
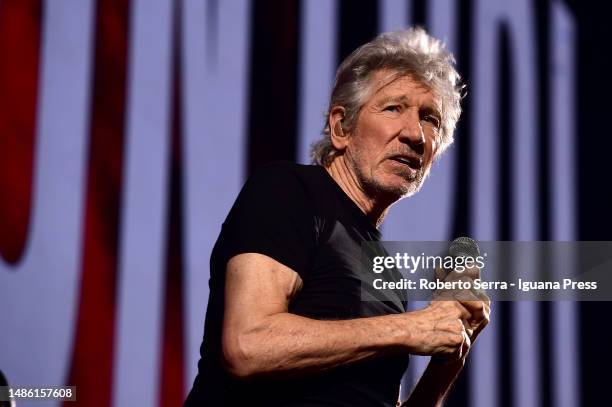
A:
[592,146]
[419,12]
[358,24]
[273,99]
[460,395]
[463,135]
[543,55]
[505,132]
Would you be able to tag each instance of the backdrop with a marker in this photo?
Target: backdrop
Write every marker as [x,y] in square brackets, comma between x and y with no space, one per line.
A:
[128,127]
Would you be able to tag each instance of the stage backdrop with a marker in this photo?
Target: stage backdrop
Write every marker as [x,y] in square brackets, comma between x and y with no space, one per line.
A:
[128,127]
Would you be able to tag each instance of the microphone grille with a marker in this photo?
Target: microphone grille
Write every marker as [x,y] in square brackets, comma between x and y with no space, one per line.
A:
[464,247]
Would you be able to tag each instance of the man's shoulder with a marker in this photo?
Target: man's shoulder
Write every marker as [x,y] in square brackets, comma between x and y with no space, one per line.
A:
[282,184]
[282,168]
[285,174]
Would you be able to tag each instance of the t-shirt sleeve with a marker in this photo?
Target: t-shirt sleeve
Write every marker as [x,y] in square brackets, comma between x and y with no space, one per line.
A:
[273,215]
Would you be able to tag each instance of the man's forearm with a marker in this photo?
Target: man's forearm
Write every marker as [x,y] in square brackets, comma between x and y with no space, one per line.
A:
[435,384]
[261,338]
[287,344]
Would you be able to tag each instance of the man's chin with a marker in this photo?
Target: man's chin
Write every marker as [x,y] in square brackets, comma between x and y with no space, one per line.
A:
[397,189]
[412,189]
[405,188]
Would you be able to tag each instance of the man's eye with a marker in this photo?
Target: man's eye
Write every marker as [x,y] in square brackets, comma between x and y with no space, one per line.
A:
[392,108]
[432,119]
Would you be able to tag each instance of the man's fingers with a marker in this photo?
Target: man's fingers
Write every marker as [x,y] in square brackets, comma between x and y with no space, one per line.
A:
[477,309]
[460,291]
[444,295]
[483,297]
[441,274]
[468,328]
[477,302]
[472,272]
[464,313]
[467,344]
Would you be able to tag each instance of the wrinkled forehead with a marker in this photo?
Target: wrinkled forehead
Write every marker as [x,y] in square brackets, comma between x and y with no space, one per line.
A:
[380,85]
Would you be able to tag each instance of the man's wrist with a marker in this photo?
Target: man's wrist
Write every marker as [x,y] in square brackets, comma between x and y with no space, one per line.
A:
[436,382]
[409,332]
[442,361]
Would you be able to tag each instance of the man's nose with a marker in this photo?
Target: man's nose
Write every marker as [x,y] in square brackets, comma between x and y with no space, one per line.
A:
[412,134]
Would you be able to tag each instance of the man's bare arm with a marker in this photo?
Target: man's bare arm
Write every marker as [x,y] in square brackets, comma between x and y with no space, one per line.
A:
[441,373]
[435,384]
[261,338]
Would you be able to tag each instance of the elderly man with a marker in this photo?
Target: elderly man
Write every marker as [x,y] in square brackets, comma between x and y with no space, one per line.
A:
[285,324]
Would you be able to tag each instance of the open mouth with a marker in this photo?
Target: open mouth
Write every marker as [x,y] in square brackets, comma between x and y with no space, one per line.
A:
[413,162]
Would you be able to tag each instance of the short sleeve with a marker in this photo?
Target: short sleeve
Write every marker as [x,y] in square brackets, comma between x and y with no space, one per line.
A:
[273,215]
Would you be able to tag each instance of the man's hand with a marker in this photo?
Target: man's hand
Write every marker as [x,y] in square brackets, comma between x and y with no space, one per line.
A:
[474,301]
[442,329]
[467,312]
[261,338]
[479,307]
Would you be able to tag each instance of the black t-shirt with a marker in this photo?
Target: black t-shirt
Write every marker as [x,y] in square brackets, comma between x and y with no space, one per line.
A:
[299,216]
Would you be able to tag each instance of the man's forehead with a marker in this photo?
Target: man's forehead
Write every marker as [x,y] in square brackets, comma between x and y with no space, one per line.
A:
[392,85]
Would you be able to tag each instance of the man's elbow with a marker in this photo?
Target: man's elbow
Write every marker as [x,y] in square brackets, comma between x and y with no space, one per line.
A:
[239,359]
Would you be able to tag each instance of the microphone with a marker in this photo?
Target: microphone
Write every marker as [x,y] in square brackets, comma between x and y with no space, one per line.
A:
[464,247]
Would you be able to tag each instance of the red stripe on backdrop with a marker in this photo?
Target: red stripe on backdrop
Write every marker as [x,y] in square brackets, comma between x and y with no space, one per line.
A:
[172,373]
[20,31]
[92,367]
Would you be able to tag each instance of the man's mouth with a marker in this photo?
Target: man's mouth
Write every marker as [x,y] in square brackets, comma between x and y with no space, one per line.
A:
[413,162]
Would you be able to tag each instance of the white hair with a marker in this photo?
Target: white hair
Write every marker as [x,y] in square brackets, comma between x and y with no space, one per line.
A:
[411,52]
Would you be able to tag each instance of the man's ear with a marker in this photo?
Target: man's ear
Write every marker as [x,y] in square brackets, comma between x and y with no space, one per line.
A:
[337,131]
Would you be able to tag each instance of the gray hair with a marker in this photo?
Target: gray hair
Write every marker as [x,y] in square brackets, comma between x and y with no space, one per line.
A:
[411,52]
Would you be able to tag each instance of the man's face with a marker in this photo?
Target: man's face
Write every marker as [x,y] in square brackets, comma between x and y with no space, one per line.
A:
[393,142]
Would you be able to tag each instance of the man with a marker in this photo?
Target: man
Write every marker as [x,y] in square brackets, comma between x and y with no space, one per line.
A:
[285,324]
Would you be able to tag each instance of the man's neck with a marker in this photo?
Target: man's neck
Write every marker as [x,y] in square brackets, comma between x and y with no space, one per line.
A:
[345,177]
